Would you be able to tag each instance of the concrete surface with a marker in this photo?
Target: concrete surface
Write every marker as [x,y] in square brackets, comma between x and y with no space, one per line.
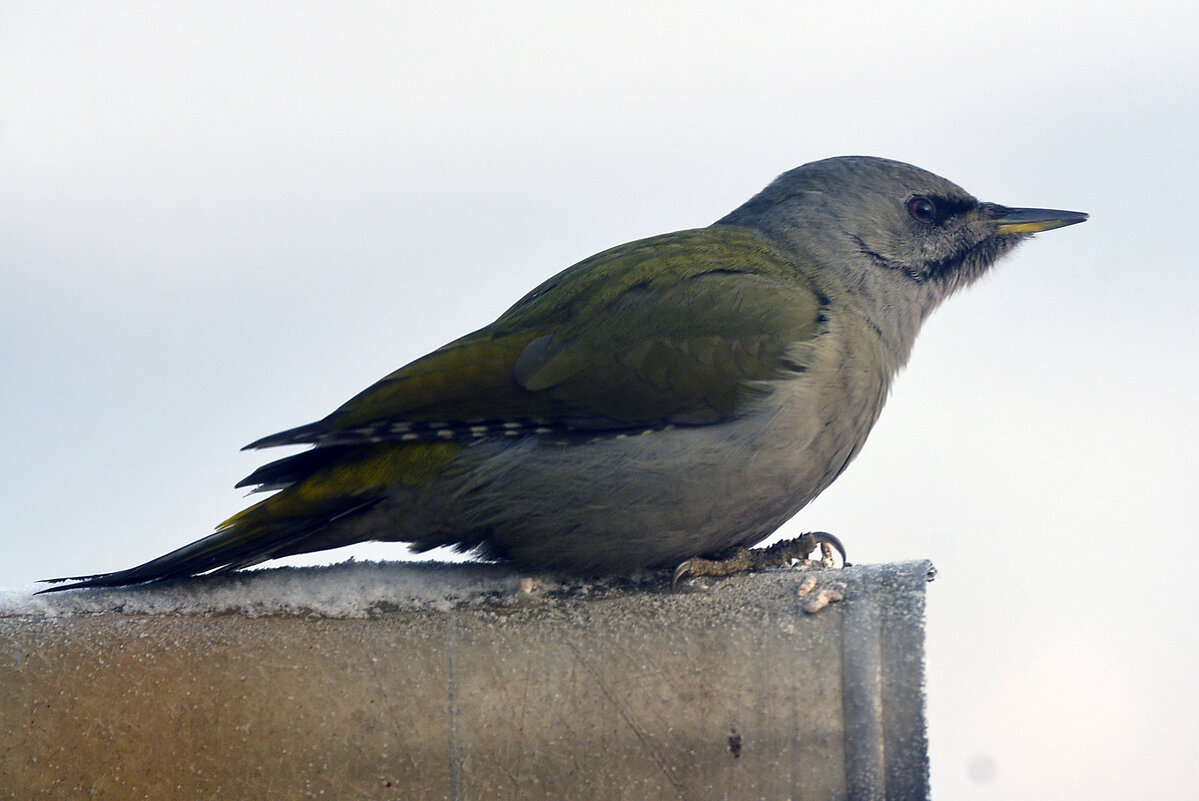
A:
[726,689]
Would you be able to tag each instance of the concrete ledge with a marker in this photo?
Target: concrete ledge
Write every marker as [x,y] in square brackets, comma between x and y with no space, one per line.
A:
[728,689]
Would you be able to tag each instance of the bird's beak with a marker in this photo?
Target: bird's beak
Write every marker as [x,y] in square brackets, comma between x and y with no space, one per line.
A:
[1031,221]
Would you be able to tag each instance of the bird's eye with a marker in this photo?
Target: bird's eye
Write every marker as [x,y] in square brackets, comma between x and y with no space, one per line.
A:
[922,209]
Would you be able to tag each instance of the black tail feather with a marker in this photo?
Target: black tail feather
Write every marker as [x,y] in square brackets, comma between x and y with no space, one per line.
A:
[241,544]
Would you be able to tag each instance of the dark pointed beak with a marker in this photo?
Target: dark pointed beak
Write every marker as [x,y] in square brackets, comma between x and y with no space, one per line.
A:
[1031,221]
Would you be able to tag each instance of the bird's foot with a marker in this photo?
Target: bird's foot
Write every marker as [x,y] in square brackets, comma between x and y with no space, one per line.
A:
[787,553]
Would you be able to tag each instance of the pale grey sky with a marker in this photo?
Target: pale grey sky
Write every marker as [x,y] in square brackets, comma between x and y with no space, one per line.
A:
[221,220]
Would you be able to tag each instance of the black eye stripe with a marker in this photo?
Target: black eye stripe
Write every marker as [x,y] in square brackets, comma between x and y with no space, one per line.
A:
[937,209]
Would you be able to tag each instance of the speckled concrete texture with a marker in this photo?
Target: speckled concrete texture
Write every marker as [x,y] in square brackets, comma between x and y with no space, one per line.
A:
[737,688]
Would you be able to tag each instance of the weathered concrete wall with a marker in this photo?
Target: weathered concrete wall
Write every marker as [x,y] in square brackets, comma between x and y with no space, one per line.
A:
[725,690]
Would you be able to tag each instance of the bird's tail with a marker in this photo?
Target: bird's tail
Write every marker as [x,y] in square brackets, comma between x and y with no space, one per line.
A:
[320,492]
[253,535]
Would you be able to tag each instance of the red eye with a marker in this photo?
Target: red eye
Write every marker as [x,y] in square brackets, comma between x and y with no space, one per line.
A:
[922,209]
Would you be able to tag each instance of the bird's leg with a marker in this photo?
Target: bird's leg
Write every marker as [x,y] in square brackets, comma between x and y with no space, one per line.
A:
[781,554]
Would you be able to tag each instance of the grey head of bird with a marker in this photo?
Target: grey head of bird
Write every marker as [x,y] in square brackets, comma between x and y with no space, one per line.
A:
[888,233]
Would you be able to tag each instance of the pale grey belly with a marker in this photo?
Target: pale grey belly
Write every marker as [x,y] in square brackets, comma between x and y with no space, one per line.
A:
[657,499]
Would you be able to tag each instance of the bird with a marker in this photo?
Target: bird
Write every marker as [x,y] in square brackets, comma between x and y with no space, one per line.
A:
[673,397]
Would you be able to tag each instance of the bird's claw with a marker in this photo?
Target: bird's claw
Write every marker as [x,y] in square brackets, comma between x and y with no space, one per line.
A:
[683,569]
[781,554]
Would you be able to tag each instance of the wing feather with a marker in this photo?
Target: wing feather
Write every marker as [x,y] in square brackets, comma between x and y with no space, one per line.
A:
[676,329]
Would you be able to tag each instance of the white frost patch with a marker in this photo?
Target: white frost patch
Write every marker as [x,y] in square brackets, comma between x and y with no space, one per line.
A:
[346,590]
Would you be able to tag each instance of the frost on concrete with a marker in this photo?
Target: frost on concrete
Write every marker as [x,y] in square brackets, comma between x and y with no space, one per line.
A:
[363,589]
[724,688]
[352,589]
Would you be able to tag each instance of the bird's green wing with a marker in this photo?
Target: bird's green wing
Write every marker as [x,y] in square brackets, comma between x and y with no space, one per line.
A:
[676,329]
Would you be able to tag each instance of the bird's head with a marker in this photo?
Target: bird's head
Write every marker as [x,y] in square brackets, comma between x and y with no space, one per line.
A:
[891,232]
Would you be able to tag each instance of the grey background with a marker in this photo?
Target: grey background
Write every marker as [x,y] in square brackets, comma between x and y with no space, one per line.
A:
[221,220]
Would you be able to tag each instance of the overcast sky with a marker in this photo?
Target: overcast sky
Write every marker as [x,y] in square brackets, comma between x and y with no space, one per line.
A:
[221,220]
